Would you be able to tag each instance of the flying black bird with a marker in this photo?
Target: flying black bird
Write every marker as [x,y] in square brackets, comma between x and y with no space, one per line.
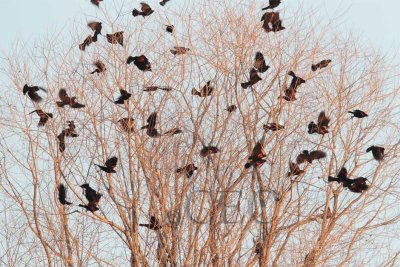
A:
[272,22]
[96,2]
[62,195]
[92,196]
[44,117]
[86,42]
[231,108]
[377,151]
[151,125]
[173,131]
[357,185]
[116,38]
[306,156]
[259,63]
[110,165]
[141,62]
[358,114]
[294,170]
[127,124]
[100,67]
[205,91]
[188,170]
[272,4]
[323,124]
[273,126]
[323,64]
[155,88]
[179,50]
[32,92]
[254,78]
[66,100]
[170,28]
[208,151]
[257,157]
[96,27]
[153,225]
[124,97]
[296,81]
[146,10]
[68,132]
[163,2]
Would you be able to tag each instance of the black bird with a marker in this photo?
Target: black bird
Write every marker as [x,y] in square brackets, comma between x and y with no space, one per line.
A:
[205,91]
[259,63]
[163,2]
[124,97]
[92,196]
[110,165]
[307,156]
[273,126]
[32,92]
[141,62]
[151,125]
[294,170]
[296,81]
[257,157]
[127,124]
[62,194]
[179,50]
[357,185]
[153,225]
[67,100]
[170,28]
[231,108]
[323,64]
[68,132]
[86,42]
[146,10]
[116,38]
[96,2]
[208,151]
[44,117]
[188,170]
[100,67]
[323,124]
[155,88]
[358,114]
[377,151]
[254,78]
[272,22]
[272,4]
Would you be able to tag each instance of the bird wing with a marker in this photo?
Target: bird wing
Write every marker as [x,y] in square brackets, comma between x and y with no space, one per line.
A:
[62,194]
[323,120]
[62,94]
[152,119]
[343,173]
[254,75]
[145,7]
[257,150]
[111,162]
[301,158]
[293,167]
[317,154]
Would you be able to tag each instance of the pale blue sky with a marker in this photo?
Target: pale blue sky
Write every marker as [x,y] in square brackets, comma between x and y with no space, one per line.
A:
[375,20]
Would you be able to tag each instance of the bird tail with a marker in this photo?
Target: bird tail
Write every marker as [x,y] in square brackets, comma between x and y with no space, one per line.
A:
[266,8]
[195,92]
[135,12]
[333,179]
[145,225]
[314,67]
[245,85]
[174,52]
[68,203]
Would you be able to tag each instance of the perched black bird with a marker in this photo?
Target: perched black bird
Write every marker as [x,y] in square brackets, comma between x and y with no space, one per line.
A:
[208,151]
[294,170]
[307,156]
[110,165]
[257,157]
[254,78]
[66,100]
[155,88]
[296,81]
[86,42]
[44,117]
[153,225]
[32,92]
[259,63]
[116,38]
[272,22]
[92,196]
[163,2]
[68,132]
[151,125]
[231,108]
[127,124]
[323,64]
[173,131]
[377,151]
[205,91]
[358,114]
[272,4]
[141,62]
[124,97]
[179,50]
[170,28]
[146,10]
[322,127]
[62,195]
[96,2]
[273,126]
[96,27]
[357,185]
[188,170]
[100,67]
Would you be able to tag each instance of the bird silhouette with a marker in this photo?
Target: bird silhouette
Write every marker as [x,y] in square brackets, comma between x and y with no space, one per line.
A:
[153,225]
[188,170]
[141,62]
[296,81]
[123,97]
[357,185]
[151,126]
[110,165]
[155,88]
[377,151]
[96,27]
[307,156]
[231,108]
[179,50]
[169,28]
[259,63]
[257,157]
[116,38]
[44,117]
[100,67]
[273,126]
[67,100]
[86,43]
[272,4]
[163,2]
[32,92]
[208,151]
[127,124]
[322,127]
[323,64]
[146,10]
[358,114]
[62,194]
[254,78]
[68,132]
[92,197]
[205,91]
[294,170]
[272,22]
